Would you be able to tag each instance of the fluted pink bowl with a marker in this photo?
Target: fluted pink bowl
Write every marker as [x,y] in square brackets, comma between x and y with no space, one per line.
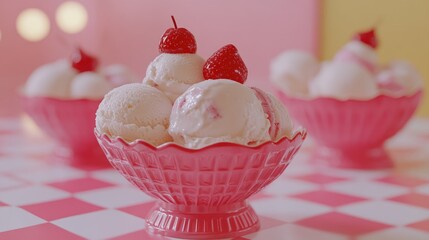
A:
[70,122]
[351,133]
[201,193]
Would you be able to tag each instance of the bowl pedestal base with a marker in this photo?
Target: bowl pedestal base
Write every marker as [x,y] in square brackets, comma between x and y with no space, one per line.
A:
[373,158]
[227,221]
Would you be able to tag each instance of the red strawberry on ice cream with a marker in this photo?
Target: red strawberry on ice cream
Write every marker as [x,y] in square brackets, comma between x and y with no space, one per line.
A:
[226,63]
[177,40]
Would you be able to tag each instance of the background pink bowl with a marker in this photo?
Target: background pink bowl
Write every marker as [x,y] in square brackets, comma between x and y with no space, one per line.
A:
[201,193]
[71,123]
[351,133]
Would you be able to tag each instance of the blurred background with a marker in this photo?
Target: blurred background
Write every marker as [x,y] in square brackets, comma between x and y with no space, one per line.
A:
[36,32]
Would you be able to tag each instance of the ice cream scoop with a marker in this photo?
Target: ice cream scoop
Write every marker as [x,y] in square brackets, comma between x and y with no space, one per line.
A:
[280,123]
[361,51]
[118,74]
[292,70]
[399,78]
[51,80]
[135,111]
[89,85]
[174,73]
[344,80]
[218,111]
[360,54]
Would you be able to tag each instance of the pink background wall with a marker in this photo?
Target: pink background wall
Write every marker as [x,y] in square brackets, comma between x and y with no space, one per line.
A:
[128,32]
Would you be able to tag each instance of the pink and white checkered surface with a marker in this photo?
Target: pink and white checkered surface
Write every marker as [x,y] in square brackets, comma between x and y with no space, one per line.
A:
[42,199]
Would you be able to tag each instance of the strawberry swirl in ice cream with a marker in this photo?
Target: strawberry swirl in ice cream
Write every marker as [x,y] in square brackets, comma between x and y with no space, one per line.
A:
[399,78]
[210,103]
[354,73]
[218,110]
[361,51]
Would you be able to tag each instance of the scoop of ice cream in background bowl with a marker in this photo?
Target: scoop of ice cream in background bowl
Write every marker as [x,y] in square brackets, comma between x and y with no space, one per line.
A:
[62,98]
[354,105]
[222,141]
[293,70]
[118,75]
[399,78]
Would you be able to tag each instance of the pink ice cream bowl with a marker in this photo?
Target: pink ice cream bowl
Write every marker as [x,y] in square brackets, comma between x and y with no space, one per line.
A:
[351,133]
[201,193]
[70,123]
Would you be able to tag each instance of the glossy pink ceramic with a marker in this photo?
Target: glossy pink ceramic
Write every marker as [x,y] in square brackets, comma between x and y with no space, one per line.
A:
[351,133]
[71,123]
[201,193]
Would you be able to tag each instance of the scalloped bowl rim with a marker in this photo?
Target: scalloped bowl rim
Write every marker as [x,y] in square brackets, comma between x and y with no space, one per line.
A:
[300,132]
[333,99]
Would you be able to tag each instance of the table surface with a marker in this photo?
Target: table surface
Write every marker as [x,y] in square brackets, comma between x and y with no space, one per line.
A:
[42,199]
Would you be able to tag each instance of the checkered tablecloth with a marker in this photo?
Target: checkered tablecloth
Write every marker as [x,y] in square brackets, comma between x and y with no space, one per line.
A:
[43,199]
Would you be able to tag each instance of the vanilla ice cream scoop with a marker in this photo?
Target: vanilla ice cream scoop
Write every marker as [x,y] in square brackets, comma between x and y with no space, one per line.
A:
[399,78]
[292,70]
[135,111]
[280,122]
[51,80]
[358,53]
[89,85]
[174,73]
[118,74]
[218,111]
[344,80]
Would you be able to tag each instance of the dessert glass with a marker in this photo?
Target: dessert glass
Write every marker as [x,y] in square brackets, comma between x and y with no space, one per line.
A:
[201,193]
[351,133]
[70,122]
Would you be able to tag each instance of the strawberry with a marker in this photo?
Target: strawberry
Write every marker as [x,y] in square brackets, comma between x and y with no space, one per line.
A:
[83,62]
[369,38]
[225,63]
[177,40]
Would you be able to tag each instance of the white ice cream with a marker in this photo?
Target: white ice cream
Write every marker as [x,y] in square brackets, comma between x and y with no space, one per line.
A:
[344,80]
[51,80]
[292,70]
[135,111]
[358,53]
[89,85]
[280,122]
[174,73]
[218,111]
[400,78]
[118,74]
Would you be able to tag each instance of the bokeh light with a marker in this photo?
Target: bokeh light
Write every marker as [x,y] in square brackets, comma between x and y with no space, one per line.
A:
[33,24]
[71,17]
